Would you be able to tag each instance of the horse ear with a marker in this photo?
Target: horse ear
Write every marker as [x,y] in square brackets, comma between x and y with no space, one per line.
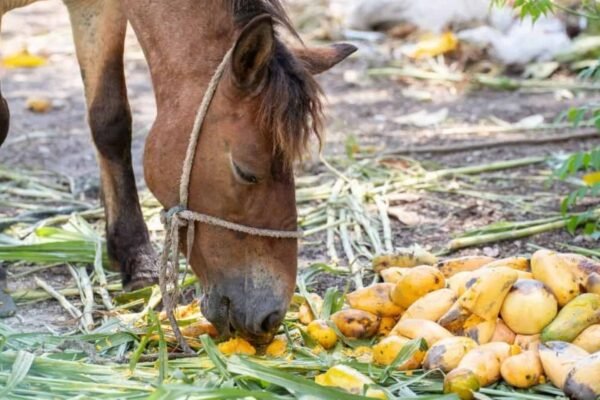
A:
[321,59]
[253,51]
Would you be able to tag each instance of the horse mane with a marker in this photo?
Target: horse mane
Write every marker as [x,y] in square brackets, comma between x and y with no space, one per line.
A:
[291,108]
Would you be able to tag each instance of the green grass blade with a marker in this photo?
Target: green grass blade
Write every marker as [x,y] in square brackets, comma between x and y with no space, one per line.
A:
[296,385]
[20,368]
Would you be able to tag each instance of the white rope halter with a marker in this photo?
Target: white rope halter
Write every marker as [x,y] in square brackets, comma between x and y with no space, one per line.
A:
[180,217]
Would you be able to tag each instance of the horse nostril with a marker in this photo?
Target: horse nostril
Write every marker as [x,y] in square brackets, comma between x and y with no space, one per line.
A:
[270,322]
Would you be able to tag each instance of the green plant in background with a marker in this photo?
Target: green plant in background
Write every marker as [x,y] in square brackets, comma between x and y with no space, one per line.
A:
[586,163]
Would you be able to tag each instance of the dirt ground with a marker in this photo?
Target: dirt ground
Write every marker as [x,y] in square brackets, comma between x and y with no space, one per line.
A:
[358,106]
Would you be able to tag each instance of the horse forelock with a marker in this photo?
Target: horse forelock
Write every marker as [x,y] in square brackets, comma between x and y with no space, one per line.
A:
[290,102]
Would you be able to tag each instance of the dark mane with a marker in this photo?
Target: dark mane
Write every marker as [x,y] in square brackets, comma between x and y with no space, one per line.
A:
[291,108]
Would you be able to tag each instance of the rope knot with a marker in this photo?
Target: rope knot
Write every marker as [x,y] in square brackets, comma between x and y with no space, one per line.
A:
[167,216]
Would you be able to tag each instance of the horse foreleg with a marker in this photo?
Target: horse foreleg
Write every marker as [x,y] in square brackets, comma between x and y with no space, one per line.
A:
[99,30]
[4,111]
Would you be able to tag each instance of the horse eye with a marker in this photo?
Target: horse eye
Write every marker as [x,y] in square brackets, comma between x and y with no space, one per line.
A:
[247,177]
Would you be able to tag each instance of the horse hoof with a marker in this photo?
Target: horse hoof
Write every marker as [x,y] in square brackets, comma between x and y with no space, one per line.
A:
[144,273]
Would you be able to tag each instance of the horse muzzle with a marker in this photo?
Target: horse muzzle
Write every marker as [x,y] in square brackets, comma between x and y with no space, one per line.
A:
[240,306]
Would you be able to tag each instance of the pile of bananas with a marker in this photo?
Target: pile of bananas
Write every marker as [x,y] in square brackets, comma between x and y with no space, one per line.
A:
[526,321]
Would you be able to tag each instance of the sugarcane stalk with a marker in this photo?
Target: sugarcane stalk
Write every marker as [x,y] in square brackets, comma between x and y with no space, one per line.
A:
[461,243]
[101,277]
[330,240]
[495,82]
[66,304]
[385,224]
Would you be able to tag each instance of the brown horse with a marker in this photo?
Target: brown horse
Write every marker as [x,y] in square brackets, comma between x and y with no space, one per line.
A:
[266,107]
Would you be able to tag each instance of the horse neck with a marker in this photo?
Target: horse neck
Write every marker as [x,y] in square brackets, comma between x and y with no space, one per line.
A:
[182,57]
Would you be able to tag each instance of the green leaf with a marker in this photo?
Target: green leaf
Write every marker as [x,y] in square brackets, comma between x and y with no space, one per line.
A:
[215,355]
[292,383]
[20,368]
[333,301]
[409,349]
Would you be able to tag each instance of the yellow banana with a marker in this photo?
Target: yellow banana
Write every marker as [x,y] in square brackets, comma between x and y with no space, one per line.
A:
[484,298]
[237,346]
[528,342]
[278,347]
[455,319]
[581,266]
[557,274]
[589,339]
[404,258]
[463,383]
[580,313]
[469,263]
[375,299]
[502,350]
[532,299]
[592,283]
[305,314]
[386,351]
[461,281]
[350,380]
[386,325]
[415,284]
[356,324]
[421,328]
[482,333]
[431,306]
[393,274]
[524,274]
[583,381]
[522,370]
[484,364]
[502,333]
[446,354]
[558,358]
[322,333]
[518,263]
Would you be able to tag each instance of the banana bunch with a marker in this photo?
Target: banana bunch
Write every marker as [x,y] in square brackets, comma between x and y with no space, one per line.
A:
[525,321]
